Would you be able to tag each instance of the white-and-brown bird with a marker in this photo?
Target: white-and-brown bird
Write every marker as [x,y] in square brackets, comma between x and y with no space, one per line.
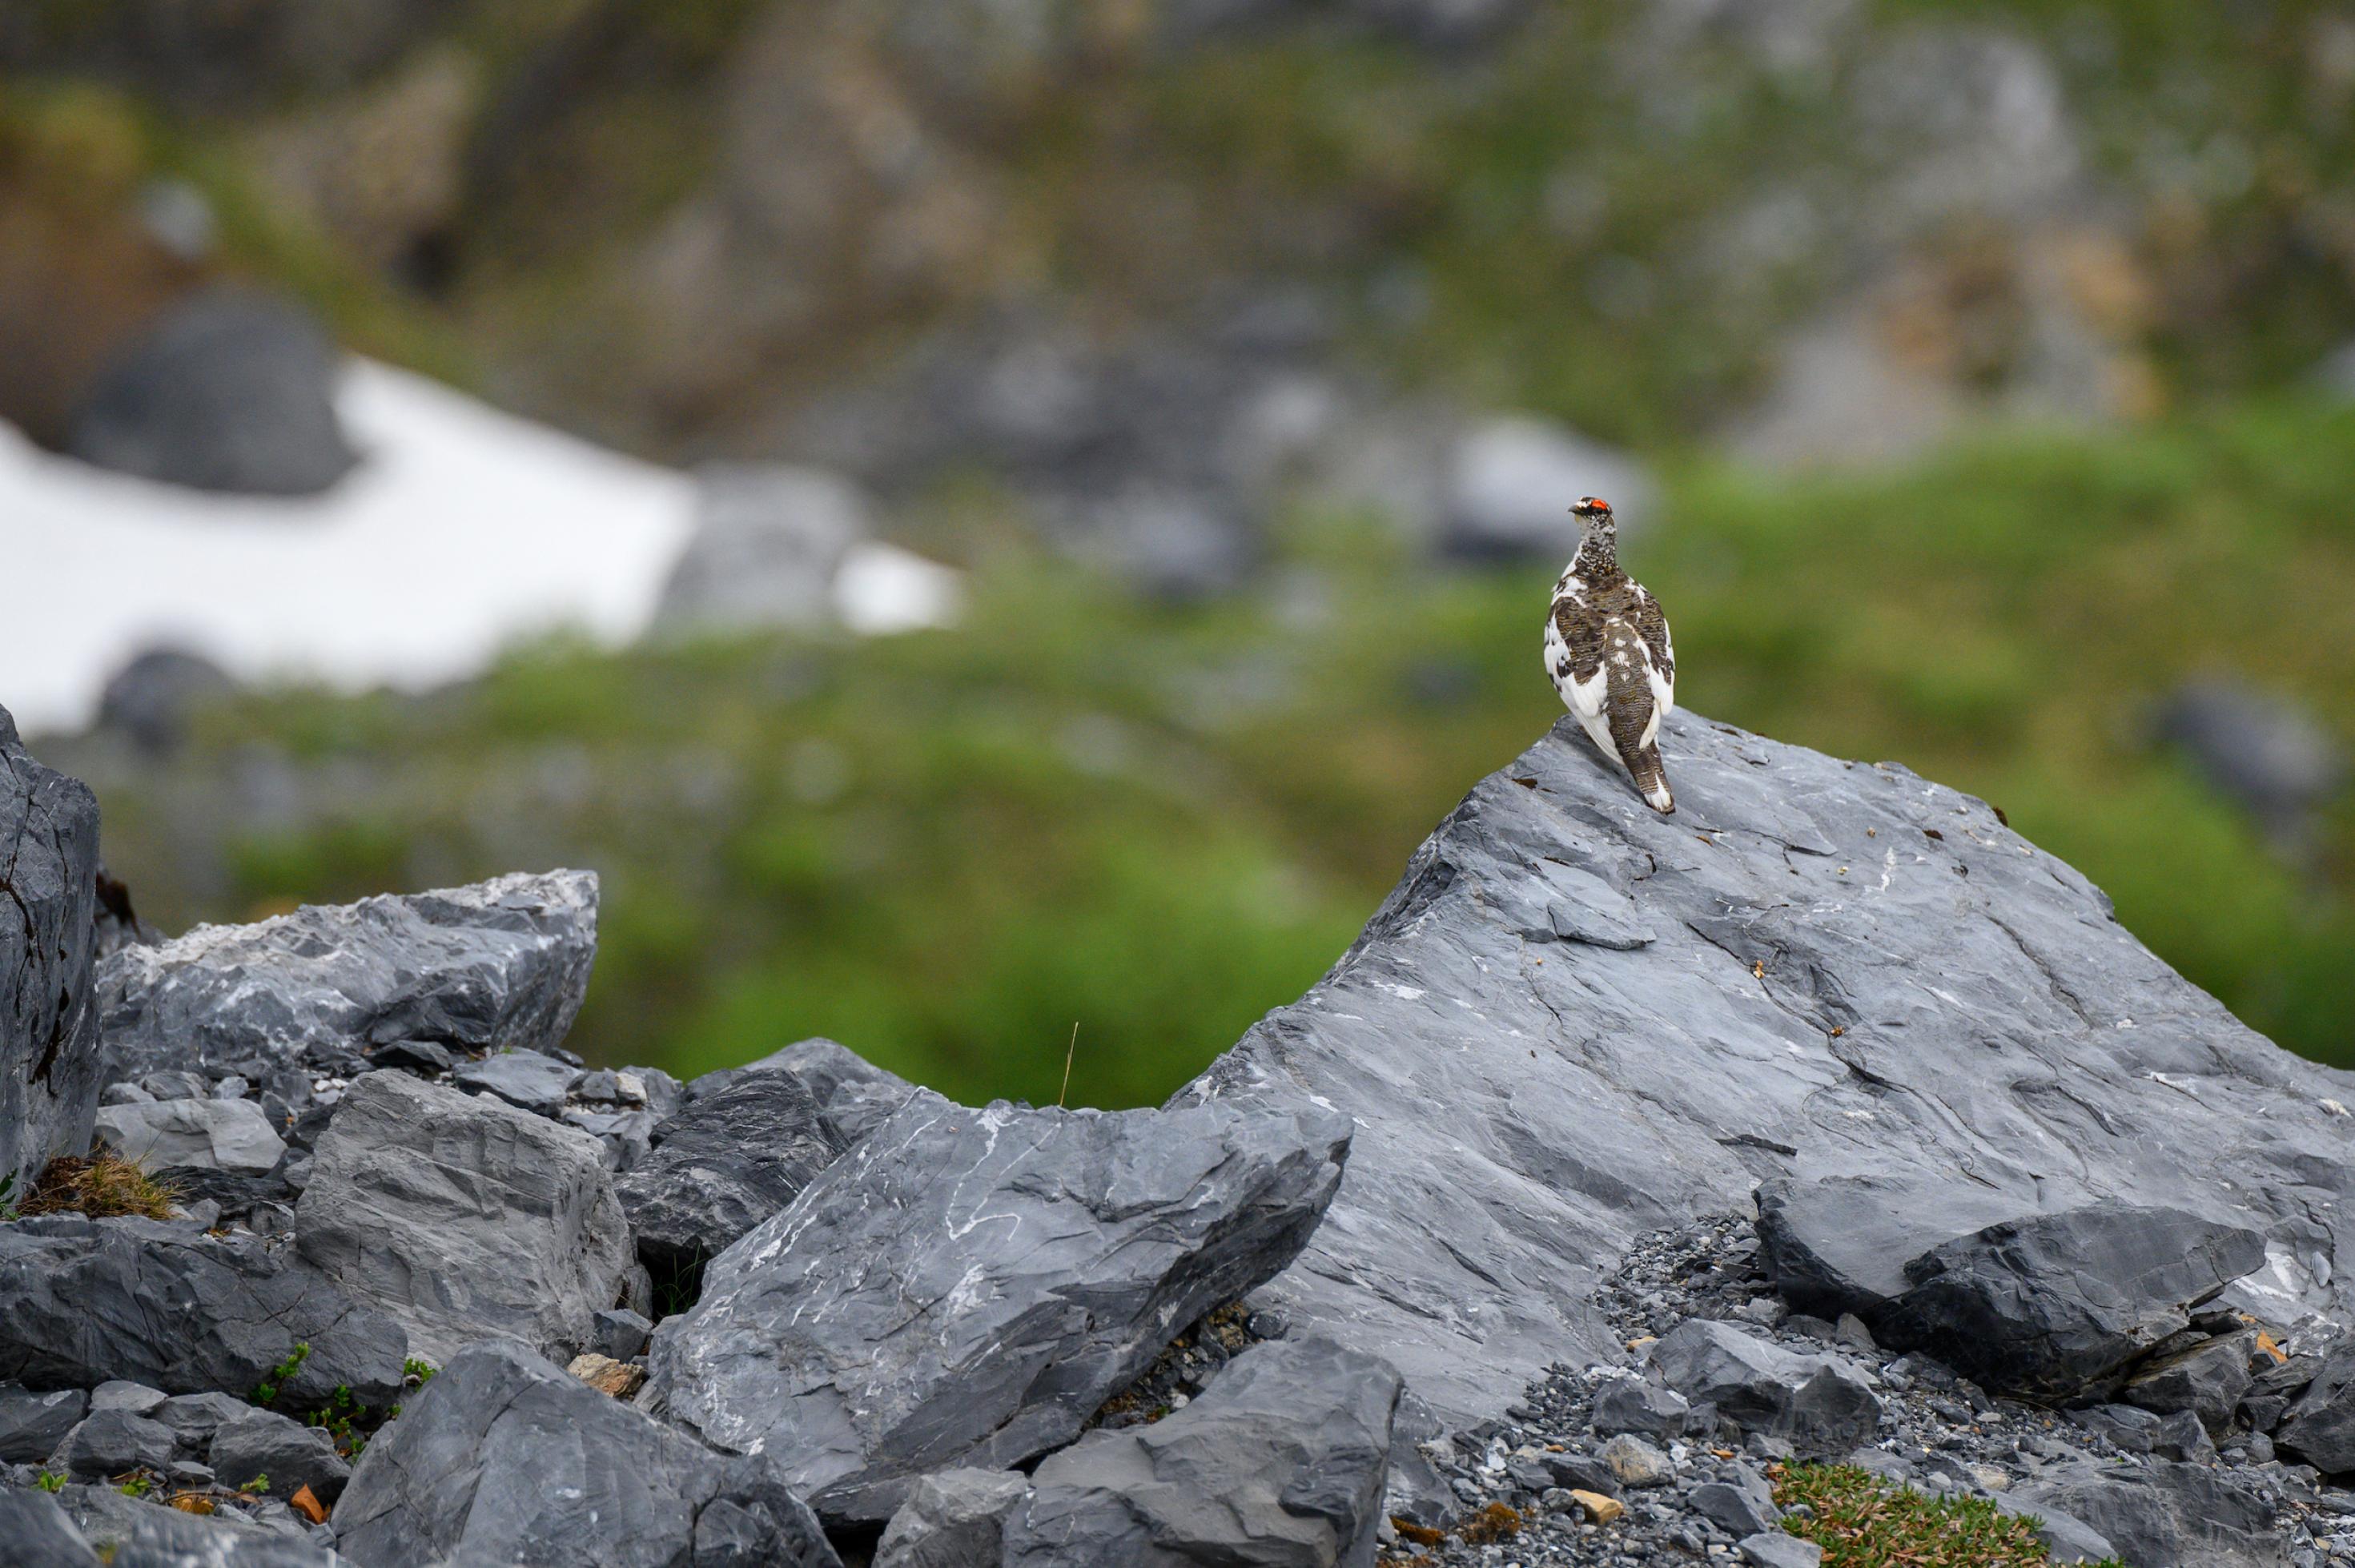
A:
[1608,653]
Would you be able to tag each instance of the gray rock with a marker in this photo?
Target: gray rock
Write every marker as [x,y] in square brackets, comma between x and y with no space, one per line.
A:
[522,1078]
[2130,1429]
[768,540]
[202,1135]
[1742,1506]
[227,390]
[119,1394]
[195,1417]
[1816,1403]
[503,1458]
[32,1425]
[2163,1513]
[156,693]
[79,1305]
[625,1137]
[1635,1463]
[38,1533]
[1644,1409]
[1772,1549]
[1512,478]
[502,963]
[1831,991]
[1062,1250]
[2181,1436]
[2263,751]
[50,1068]
[143,1535]
[2208,1379]
[721,1164]
[1279,1464]
[1838,1245]
[110,1442]
[956,1518]
[292,1456]
[2320,1426]
[2067,1539]
[620,1333]
[2054,1304]
[853,1095]
[464,1217]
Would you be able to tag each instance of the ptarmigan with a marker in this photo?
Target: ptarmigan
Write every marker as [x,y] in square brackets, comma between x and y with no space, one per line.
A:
[1607,649]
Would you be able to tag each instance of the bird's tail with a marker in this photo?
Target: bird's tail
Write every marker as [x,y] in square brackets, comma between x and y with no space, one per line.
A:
[1651,777]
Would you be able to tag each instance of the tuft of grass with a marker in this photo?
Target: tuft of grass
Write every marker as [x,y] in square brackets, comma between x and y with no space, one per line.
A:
[102,1186]
[1863,1521]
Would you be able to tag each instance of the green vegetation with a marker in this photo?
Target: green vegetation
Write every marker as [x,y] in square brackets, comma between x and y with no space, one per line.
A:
[417,1373]
[1863,1521]
[50,1481]
[945,850]
[266,1390]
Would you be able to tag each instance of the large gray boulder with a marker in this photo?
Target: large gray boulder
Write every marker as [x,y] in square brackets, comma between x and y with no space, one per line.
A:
[2320,1428]
[49,1064]
[33,1423]
[2054,1304]
[722,1163]
[2163,1512]
[953,1519]
[39,1533]
[1816,1403]
[2046,1304]
[853,1095]
[201,1134]
[1815,968]
[82,1301]
[502,963]
[1279,1464]
[503,1458]
[966,1288]
[227,390]
[464,1217]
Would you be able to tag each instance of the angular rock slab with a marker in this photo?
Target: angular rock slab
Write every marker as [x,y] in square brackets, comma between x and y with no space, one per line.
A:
[39,1533]
[464,1217]
[2053,1306]
[1841,1244]
[82,1301]
[2320,1428]
[1830,990]
[953,1519]
[2163,1513]
[199,1134]
[1279,1463]
[502,963]
[853,1095]
[50,1069]
[1816,1403]
[503,1458]
[966,1288]
[723,1162]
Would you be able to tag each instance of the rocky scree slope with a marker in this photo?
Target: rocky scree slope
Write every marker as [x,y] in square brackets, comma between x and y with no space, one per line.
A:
[1623,1160]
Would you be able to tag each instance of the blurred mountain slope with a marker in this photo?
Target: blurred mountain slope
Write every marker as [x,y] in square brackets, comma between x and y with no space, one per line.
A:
[1160,821]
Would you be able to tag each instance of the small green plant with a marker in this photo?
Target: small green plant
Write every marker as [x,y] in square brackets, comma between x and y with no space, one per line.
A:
[256,1486]
[50,1481]
[418,1373]
[1863,1521]
[136,1487]
[267,1389]
[337,1418]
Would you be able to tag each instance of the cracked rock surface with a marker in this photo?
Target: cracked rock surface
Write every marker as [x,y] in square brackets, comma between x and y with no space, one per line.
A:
[965,1287]
[502,963]
[49,1065]
[1576,1021]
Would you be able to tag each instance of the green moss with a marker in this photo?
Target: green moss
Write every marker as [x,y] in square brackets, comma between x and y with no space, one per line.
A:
[1863,1521]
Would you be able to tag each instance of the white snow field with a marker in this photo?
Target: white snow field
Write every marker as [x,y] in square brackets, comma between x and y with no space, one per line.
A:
[463,530]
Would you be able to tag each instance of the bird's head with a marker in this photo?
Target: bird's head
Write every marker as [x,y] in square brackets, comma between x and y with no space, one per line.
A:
[1595,512]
